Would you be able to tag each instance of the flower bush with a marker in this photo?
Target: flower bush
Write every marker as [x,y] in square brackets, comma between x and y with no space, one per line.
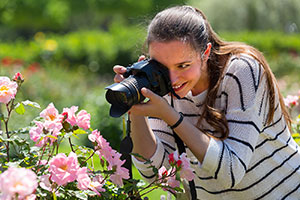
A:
[33,167]
[292,102]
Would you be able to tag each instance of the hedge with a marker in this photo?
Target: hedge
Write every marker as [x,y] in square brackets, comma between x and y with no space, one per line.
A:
[99,50]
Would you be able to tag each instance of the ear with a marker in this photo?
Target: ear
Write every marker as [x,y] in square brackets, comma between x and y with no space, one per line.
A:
[206,53]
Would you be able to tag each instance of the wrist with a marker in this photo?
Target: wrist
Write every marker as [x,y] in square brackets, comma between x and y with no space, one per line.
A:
[178,122]
[172,118]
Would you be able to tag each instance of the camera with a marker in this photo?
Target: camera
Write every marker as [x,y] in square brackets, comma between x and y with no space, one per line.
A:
[147,73]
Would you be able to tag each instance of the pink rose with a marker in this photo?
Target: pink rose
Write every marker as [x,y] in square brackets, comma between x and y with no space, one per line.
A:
[31,197]
[51,113]
[186,171]
[45,182]
[111,156]
[52,118]
[172,182]
[103,148]
[52,121]
[120,174]
[94,136]
[291,101]
[70,114]
[182,163]
[116,163]
[83,119]
[18,77]
[53,128]
[36,132]
[19,181]
[85,183]
[64,169]
[97,184]
[162,173]
[8,89]
[83,179]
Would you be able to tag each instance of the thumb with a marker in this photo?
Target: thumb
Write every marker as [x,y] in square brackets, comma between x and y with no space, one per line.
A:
[148,93]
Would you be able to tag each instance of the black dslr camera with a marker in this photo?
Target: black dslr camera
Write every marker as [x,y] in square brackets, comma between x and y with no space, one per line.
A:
[147,73]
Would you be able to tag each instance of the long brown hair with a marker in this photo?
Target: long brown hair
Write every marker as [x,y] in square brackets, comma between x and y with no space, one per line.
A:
[187,24]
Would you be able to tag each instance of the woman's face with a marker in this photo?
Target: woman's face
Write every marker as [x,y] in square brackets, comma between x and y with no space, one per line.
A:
[188,72]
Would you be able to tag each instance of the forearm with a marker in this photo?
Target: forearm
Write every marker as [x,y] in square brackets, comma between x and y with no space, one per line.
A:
[144,142]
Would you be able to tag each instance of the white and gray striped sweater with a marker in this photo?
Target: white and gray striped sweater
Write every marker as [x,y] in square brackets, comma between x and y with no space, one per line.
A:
[256,161]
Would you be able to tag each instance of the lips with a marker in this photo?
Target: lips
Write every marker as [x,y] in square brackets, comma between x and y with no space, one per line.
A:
[177,88]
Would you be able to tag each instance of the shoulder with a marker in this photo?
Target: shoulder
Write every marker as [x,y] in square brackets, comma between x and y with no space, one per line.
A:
[243,63]
[243,68]
[242,82]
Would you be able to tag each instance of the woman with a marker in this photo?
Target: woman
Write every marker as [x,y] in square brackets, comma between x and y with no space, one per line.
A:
[235,126]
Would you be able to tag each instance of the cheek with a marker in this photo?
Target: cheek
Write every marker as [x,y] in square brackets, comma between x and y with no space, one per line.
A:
[192,74]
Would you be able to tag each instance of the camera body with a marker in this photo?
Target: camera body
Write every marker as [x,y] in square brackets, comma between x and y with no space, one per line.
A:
[147,73]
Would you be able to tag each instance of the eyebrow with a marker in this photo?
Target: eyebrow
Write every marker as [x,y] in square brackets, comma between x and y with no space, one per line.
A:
[184,62]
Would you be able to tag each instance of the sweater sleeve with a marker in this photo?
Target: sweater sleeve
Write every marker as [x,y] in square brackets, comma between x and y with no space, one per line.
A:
[165,145]
[244,91]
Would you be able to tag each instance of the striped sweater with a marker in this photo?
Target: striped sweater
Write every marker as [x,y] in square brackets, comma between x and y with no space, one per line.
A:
[256,161]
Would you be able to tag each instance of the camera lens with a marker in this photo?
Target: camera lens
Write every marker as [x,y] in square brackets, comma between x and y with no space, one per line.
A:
[147,73]
[125,94]
[118,97]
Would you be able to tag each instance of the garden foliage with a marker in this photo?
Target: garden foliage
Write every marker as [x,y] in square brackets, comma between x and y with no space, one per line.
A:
[32,166]
[99,51]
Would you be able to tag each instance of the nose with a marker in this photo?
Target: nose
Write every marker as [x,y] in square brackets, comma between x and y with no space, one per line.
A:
[174,76]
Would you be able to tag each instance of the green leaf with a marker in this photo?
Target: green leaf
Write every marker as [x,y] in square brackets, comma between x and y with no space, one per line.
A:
[1,116]
[31,103]
[143,158]
[177,176]
[178,189]
[155,170]
[51,136]
[79,131]
[75,136]
[1,138]
[20,109]
[18,140]
[81,195]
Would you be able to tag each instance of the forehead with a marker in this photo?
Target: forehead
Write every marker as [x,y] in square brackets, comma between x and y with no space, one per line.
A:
[171,52]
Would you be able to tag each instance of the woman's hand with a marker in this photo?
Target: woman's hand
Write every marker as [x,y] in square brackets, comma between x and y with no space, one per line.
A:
[156,106]
[120,70]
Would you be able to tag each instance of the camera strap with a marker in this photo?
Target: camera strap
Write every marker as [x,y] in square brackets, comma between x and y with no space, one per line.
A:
[126,148]
[181,150]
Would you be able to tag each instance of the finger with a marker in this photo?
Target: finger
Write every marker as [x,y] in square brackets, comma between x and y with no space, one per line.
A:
[135,110]
[119,69]
[149,94]
[142,57]
[118,78]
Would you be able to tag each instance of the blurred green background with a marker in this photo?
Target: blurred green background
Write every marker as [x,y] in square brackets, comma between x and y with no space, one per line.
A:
[66,48]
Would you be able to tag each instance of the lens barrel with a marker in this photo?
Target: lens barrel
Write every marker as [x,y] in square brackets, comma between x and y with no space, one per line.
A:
[125,94]
[147,73]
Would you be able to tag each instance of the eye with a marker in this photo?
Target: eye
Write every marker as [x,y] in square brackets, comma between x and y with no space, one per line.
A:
[182,66]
